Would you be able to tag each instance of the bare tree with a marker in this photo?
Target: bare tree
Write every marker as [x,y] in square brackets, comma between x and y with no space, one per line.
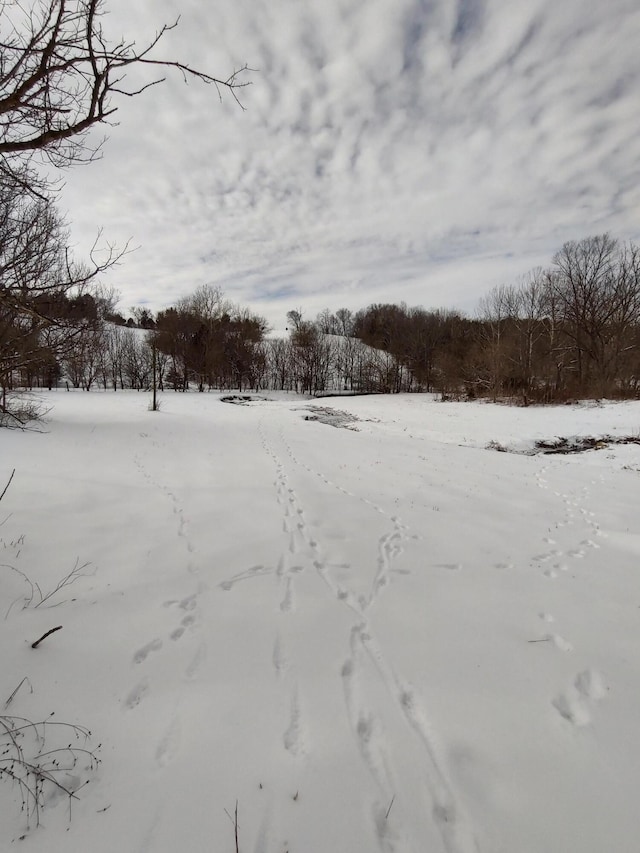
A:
[60,76]
[294,318]
[279,363]
[598,290]
[46,298]
[312,358]
[494,310]
[344,319]
[327,323]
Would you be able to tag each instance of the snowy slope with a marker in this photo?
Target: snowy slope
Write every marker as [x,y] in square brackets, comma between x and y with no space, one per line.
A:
[384,638]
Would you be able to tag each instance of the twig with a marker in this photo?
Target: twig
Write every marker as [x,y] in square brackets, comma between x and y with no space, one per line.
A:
[11,698]
[44,636]
[541,640]
[24,762]
[8,484]
[35,592]
[390,804]
[234,821]
[72,577]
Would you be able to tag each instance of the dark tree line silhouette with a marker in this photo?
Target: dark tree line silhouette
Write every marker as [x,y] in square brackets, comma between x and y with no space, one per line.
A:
[570,330]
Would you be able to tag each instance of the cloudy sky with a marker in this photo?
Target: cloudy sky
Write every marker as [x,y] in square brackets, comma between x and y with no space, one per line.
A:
[416,150]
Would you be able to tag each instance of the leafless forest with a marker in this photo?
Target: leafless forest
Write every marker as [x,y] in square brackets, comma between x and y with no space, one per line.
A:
[571,330]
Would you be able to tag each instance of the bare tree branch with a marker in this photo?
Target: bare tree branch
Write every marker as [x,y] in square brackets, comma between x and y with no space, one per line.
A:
[60,76]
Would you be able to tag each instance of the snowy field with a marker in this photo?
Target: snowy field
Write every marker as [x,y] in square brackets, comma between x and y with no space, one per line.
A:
[384,637]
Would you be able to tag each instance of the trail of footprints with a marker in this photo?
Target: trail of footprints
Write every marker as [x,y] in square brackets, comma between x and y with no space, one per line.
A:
[302,550]
[576,701]
[187,618]
[178,510]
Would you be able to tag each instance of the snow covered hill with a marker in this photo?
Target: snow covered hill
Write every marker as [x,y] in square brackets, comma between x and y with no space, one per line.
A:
[381,638]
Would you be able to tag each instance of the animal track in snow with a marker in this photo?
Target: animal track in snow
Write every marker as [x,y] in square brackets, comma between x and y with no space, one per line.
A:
[196,662]
[252,572]
[571,707]
[292,737]
[287,601]
[279,658]
[542,558]
[143,652]
[575,703]
[589,684]
[186,622]
[168,746]
[364,724]
[559,642]
[457,834]
[136,695]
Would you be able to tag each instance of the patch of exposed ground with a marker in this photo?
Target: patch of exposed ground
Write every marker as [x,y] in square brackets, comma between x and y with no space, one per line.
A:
[561,445]
[242,399]
[332,417]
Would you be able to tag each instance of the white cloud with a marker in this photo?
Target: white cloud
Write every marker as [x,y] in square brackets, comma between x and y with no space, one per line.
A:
[390,149]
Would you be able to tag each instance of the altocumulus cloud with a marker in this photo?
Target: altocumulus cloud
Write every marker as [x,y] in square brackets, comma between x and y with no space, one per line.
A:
[417,150]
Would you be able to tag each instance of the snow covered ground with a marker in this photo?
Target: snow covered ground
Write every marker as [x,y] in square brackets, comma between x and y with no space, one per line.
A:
[379,638]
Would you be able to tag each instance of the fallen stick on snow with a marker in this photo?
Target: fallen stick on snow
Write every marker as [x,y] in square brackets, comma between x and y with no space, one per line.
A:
[44,636]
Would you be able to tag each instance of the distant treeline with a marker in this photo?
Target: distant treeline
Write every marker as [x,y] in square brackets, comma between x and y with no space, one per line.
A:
[570,330]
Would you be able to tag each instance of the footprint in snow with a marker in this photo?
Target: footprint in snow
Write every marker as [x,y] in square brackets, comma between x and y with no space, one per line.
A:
[542,558]
[254,571]
[292,738]
[168,746]
[571,708]
[574,705]
[136,695]
[560,642]
[286,604]
[196,662]
[589,684]
[185,623]
[279,658]
[143,652]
